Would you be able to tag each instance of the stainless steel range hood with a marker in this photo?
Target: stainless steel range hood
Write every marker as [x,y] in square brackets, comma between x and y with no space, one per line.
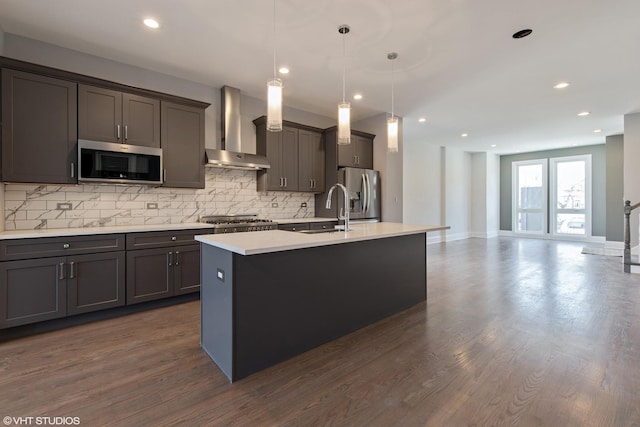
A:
[231,155]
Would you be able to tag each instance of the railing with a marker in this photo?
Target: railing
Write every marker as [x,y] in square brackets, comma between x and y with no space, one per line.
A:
[627,234]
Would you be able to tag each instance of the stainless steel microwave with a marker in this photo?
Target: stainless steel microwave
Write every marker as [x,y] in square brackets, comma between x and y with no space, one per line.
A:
[118,163]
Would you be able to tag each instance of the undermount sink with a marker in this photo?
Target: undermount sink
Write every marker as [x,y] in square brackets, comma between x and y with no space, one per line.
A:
[322,230]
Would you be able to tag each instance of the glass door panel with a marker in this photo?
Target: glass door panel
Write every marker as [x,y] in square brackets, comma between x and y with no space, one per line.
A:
[571,195]
[530,196]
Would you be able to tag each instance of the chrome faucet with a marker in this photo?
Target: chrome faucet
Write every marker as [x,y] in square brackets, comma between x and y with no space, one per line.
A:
[346,204]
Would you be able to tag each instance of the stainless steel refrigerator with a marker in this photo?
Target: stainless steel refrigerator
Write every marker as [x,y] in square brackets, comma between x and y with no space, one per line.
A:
[364,193]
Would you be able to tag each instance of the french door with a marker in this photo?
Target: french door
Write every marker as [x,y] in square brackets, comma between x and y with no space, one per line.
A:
[529,196]
[563,182]
[570,211]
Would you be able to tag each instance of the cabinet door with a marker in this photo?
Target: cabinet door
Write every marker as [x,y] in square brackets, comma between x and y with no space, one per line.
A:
[183,145]
[140,120]
[275,174]
[347,154]
[99,114]
[364,153]
[311,161]
[186,269]
[39,128]
[297,226]
[290,158]
[32,291]
[95,282]
[148,275]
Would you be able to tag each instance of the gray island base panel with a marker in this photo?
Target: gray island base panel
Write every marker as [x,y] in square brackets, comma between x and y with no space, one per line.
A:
[259,310]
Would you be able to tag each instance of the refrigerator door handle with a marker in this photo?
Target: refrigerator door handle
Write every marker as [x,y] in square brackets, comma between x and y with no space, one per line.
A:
[368,193]
[365,192]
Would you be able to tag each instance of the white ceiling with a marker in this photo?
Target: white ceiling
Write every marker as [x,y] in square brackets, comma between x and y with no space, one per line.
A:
[457,66]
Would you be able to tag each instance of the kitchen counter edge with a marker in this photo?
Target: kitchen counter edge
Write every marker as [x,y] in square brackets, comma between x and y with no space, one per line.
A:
[260,242]
[84,231]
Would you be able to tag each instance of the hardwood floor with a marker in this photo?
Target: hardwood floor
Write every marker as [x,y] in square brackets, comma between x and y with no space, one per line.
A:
[514,332]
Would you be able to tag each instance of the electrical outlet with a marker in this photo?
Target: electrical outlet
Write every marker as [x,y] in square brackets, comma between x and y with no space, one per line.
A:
[64,206]
[274,205]
[303,204]
[220,274]
[152,206]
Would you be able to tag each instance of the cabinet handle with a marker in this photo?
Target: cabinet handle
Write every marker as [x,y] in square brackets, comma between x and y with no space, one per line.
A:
[173,239]
[170,259]
[177,258]
[285,182]
[164,174]
[71,267]
[126,132]
[61,271]
[281,182]
[117,131]
[65,246]
[73,170]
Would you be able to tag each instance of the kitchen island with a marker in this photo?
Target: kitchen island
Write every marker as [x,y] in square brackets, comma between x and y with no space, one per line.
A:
[267,296]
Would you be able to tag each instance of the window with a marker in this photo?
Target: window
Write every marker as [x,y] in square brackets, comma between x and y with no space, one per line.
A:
[571,196]
[530,196]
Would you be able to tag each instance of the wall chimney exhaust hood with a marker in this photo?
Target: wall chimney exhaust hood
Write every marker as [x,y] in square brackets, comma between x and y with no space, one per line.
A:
[231,155]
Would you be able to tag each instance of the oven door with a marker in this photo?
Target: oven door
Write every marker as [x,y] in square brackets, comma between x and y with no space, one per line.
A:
[119,163]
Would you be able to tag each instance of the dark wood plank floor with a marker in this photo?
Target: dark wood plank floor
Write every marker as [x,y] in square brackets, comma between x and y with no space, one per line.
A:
[514,332]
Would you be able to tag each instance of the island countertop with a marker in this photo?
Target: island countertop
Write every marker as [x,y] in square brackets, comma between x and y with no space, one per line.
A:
[260,242]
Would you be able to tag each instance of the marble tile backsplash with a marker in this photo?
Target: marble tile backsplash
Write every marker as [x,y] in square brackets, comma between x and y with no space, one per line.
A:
[227,191]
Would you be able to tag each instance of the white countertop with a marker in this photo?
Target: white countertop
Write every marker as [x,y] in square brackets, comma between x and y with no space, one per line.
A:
[260,242]
[83,231]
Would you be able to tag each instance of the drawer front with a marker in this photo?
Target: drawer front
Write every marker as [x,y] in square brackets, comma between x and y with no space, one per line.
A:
[294,226]
[322,225]
[59,246]
[161,239]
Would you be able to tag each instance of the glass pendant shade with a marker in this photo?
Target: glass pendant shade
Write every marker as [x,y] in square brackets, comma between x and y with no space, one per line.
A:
[344,123]
[274,105]
[392,134]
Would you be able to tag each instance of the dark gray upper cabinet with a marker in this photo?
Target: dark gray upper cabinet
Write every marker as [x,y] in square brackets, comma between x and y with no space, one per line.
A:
[182,145]
[281,149]
[311,161]
[358,154]
[39,128]
[296,156]
[114,116]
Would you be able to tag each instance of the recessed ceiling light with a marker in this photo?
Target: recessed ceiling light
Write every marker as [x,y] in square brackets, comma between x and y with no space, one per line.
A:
[584,113]
[422,119]
[493,145]
[464,135]
[562,85]
[284,70]
[522,33]
[597,130]
[357,96]
[151,23]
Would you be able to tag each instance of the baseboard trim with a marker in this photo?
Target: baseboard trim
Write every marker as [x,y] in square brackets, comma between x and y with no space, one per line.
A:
[592,239]
[457,236]
[484,235]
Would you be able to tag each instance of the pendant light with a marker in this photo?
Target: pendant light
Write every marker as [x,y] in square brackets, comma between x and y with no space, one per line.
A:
[274,90]
[392,122]
[344,108]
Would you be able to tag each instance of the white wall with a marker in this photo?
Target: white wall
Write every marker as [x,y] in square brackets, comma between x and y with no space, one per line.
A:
[457,192]
[422,187]
[485,195]
[388,164]
[631,189]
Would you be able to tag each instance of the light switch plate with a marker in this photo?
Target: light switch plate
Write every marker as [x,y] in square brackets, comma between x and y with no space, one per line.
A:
[274,205]
[220,275]
[152,206]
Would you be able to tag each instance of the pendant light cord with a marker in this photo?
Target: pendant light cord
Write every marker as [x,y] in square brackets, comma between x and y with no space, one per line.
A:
[274,39]
[344,65]
[392,87]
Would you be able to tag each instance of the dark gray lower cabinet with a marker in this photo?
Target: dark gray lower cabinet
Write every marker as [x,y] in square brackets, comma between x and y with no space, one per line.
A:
[162,272]
[95,282]
[32,290]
